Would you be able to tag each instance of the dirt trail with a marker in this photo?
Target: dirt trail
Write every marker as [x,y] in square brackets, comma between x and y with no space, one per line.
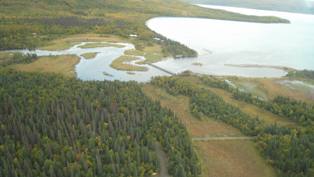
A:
[222,138]
[163,161]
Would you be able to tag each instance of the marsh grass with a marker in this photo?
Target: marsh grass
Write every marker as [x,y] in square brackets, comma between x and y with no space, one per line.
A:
[63,65]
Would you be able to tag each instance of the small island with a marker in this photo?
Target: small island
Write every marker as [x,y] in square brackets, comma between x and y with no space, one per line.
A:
[89,55]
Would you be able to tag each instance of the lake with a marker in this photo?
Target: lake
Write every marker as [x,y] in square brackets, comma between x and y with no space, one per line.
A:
[236,48]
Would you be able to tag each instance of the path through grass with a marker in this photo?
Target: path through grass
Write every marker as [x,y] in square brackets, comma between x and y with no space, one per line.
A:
[232,158]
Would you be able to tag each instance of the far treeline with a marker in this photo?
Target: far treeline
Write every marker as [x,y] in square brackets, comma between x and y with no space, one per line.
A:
[30,24]
[303,74]
[297,6]
[52,126]
[289,150]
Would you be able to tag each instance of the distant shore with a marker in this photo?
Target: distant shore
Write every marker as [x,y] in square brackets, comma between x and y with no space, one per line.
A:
[287,69]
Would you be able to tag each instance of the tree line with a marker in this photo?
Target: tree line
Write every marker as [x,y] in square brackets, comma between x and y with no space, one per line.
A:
[297,111]
[303,74]
[18,58]
[290,150]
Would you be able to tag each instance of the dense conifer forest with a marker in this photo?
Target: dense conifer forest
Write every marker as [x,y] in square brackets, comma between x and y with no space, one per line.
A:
[53,126]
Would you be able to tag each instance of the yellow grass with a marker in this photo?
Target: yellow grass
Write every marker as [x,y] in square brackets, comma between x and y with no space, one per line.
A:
[180,106]
[253,110]
[235,158]
[62,45]
[151,53]
[238,158]
[69,41]
[249,109]
[120,64]
[57,64]
[100,44]
[134,52]
[90,55]
[271,88]
[5,56]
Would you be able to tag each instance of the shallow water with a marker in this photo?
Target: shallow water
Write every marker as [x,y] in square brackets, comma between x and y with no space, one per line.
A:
[221,43]
[99,68]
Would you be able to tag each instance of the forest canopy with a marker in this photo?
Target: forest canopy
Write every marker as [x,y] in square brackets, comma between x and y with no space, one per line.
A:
[53,126]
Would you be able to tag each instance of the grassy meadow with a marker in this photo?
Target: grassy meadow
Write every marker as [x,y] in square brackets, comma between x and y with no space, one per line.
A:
[63,65]
[120,64]
[90,55]
[222,158]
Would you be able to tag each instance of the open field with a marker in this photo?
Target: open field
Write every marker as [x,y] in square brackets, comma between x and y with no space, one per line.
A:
[69,41]
[249,109]
[62,45]
[5,56]
[151,53]
[232,158]
[270,88]
[100,44]
[226,158]
[59,64]
[253,110]
[180,106]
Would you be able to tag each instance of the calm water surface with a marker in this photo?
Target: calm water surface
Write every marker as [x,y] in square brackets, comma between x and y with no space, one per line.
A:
[221,43]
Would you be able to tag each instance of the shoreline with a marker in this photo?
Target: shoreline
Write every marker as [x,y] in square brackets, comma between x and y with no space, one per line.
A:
[284,68]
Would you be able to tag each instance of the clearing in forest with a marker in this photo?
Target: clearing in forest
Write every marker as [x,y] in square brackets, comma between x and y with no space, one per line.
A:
[222,158]
[252,110]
